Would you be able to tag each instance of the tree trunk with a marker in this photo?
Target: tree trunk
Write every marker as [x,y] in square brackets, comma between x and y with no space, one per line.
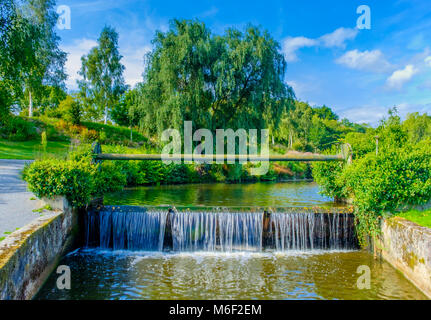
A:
[30,105]
[131,134]
[290,140]
[106,114]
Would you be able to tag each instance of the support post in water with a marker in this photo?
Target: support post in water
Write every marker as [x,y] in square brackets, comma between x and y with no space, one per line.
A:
[167,237]
[267,234]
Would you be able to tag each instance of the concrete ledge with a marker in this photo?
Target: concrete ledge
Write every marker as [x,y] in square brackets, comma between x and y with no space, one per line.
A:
[29,255]
[407,246]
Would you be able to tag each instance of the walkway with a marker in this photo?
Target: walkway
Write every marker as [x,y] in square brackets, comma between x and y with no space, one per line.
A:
[16,208]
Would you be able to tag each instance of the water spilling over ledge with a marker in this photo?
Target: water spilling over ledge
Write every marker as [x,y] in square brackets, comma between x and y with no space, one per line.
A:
[218,229]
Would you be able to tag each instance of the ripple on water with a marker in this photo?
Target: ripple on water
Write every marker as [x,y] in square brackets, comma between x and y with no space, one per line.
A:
[107,274]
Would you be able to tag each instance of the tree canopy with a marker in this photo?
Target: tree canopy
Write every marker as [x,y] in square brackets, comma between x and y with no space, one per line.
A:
[30,54]
[235,80]
[103,82]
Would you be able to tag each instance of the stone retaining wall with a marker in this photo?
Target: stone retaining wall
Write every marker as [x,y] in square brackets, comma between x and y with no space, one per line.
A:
[29,255]
[407,247]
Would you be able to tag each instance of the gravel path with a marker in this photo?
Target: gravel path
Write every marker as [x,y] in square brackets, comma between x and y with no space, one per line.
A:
[16,208]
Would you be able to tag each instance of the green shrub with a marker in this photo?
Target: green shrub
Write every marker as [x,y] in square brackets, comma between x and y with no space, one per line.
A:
[108,179]
[386,183]
[44,140]
[18,129]
[72,179]
[178,173]
[71,110]
[326,174]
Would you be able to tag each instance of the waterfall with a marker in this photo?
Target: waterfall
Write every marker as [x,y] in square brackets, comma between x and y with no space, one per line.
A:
[303,231]
[219,230]
[134,229]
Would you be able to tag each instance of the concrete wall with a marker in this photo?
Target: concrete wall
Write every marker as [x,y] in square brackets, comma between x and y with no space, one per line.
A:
[407,247]
[29,255]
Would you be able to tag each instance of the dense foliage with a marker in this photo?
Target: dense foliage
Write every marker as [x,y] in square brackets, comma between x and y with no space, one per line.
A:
[102,72]
[306,128]
[231,81]
[398,176]
[72,179]
[30,58]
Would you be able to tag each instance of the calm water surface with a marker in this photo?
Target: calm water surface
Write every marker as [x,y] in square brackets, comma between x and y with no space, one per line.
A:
[283,194]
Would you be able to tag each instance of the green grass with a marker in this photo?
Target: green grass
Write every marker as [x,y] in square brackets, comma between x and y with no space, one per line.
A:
[30,150]
[115,133]
[422,218]
[40,210]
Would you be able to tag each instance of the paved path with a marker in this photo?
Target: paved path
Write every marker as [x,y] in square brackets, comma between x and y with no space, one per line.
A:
[16,208]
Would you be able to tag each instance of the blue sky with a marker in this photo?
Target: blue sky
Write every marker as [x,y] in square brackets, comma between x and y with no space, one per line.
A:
[358,73]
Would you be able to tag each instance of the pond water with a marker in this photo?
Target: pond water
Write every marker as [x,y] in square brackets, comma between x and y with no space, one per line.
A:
[104,274]
[281,194]
[100,273]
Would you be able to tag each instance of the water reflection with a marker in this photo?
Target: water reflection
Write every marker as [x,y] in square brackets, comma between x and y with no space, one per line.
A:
[283,194]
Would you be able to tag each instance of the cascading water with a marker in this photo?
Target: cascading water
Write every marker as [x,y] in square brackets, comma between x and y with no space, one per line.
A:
[303,231]
[136,228]
[216,231]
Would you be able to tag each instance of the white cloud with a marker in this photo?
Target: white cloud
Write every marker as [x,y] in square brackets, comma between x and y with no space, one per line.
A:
[334,39]
[371,114]
[208,13]
[292,44]
[400,77]
[428,61]
[133,60]
[338,37]
[367,60]
[73,64]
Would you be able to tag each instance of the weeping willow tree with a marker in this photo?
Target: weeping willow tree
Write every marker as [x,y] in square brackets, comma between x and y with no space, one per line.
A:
[235,80]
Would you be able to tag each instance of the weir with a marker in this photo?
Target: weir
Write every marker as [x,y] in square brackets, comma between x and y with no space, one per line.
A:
[218,229]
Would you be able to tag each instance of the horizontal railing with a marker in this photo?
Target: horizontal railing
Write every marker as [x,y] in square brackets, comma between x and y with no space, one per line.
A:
[345,155]
[208,158]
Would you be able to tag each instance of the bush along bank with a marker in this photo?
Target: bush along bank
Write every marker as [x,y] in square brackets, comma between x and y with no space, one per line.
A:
[379,185]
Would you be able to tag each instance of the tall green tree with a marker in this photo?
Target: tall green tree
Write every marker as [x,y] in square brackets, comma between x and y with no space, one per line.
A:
[45,59]
[418,126]
[7,13]
[231,81]
[15,54]
[102,72]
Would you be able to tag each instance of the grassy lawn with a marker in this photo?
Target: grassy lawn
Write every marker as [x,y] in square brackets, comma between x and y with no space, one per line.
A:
[30,150]
[422,218]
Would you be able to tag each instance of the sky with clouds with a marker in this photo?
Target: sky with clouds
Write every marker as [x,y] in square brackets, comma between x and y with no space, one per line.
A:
[360,73]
